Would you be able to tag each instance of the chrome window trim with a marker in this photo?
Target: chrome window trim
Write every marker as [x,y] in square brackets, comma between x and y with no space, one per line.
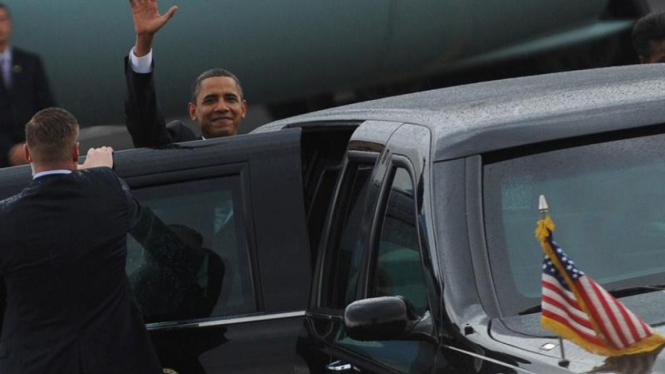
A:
[222,322]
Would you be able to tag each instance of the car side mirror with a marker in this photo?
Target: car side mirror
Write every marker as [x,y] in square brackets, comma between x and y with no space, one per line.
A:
[386,318]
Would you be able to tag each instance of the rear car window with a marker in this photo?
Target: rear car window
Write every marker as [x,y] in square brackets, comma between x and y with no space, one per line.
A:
[188,256]
[607,201]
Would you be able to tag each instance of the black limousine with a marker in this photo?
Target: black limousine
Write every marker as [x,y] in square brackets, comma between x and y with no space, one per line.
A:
[396,236]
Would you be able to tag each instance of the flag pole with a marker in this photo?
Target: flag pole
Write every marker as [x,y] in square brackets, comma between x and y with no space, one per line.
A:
[564,361]
[543,209]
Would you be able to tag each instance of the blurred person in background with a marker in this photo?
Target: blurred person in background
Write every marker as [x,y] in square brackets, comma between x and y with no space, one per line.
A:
[24,90]
[649,38]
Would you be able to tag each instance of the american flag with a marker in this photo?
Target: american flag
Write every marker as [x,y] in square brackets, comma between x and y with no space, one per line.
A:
[577,308]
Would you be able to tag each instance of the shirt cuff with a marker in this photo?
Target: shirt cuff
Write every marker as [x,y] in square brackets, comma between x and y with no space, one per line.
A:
[141,65]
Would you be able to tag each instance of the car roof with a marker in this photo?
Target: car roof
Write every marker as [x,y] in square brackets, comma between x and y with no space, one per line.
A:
[507,113]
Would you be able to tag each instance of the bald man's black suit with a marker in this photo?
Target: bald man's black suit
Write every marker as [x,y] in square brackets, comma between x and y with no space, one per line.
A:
[69,306]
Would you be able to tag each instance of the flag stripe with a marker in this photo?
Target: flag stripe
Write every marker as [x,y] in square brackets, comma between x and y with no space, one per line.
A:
[630,322]
[645,327]
[616,316]
[574,313]
[590,338]
[554,285]
[583,329]
[598,312]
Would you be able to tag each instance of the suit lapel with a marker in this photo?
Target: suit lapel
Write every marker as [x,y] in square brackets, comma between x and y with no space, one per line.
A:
[18,66]
[4,93]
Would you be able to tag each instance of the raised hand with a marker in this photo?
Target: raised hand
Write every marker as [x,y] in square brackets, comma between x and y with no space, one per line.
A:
[147,21]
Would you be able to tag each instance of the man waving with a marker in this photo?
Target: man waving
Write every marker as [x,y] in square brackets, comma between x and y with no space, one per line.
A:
[217,101]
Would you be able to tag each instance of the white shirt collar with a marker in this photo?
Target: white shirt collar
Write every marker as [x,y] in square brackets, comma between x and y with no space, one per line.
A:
[50,172]
[7,54]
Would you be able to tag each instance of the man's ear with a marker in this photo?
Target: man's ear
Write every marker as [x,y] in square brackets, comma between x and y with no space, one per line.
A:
[26,151]
[192,111]
[76,152]
[244,109]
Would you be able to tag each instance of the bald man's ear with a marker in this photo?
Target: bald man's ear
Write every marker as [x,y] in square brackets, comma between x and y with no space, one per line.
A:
[26,151]
[76,152]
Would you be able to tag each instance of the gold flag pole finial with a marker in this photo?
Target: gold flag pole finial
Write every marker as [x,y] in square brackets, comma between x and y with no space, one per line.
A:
[542,207]
[545,224]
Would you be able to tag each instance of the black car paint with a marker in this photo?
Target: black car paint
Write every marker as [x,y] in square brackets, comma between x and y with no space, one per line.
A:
[469,124]
[269,168]
[442,137]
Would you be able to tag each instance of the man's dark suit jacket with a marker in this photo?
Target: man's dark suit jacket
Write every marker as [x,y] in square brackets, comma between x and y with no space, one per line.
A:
[70,308]
[143,117]
[29,94]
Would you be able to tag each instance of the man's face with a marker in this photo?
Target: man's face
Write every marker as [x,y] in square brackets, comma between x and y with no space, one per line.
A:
[657,53]
[5,27]
[219,107]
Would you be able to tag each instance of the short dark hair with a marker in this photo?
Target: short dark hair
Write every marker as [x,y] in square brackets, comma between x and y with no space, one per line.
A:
[217,72]
[6,8]
[648,29]
[50,135]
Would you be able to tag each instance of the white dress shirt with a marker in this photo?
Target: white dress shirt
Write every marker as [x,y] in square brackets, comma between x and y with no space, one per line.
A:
[51,172]
[141,65]
[6,66]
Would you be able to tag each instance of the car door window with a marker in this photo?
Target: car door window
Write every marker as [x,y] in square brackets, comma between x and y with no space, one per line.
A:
[397,272]
[347,252]
[188,257]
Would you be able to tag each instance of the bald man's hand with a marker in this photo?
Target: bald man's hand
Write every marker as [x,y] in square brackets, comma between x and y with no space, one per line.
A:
[147,21]
[98,158]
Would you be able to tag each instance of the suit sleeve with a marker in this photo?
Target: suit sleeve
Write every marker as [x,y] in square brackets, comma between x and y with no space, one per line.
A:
[133,206]
[43,95]
[6,144]
[143,117]
[162,243]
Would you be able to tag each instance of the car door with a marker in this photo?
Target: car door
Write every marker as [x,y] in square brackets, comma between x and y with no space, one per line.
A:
[219,262]
[341,246]
[395,261]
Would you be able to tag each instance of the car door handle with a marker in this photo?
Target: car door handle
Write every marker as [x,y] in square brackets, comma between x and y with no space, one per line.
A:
[339,366]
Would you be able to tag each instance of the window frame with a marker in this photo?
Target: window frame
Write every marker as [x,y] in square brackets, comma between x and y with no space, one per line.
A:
[396,162]
[235,170]
[330,246]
